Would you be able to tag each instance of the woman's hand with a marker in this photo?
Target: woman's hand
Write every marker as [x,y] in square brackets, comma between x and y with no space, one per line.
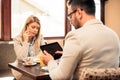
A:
[26,36]
[47,57]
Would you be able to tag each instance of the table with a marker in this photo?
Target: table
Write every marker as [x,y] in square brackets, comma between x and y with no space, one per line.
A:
[32,71]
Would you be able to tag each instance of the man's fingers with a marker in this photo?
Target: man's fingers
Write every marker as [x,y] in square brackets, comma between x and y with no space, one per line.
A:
[45,52]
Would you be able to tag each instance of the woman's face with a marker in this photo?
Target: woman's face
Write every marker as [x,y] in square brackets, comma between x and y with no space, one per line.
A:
[33,29]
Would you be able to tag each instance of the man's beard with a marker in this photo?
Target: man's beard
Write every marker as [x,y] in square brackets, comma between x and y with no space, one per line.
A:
[77,24]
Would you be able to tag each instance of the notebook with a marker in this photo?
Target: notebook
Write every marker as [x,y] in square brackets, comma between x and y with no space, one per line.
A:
[52,48]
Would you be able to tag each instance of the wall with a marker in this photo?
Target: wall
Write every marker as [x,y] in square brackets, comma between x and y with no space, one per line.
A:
[112,15]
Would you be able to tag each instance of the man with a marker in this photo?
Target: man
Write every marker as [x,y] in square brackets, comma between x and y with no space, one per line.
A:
[91,45]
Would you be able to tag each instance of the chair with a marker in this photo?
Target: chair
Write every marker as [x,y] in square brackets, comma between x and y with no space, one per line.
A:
[100,74]
[7,55]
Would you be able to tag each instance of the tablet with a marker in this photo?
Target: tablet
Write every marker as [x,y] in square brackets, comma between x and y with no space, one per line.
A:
[52,48]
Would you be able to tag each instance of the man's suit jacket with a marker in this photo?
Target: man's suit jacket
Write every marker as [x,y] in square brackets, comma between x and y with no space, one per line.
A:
[91,46]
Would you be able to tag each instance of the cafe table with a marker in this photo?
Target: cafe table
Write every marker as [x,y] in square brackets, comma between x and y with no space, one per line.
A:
[34,72]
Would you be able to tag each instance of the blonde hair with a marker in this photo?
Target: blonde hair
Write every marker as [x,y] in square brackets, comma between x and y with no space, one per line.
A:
[30,20]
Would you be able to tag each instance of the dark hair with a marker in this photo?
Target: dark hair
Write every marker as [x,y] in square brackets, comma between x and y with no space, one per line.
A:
[87,5]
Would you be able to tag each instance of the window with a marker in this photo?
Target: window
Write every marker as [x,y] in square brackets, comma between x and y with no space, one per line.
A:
[0,18]
[98,8]
[7,31]
[51,16]
[5,20]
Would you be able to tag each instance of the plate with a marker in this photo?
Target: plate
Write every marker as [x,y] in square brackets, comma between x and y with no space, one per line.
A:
[28,59]
[31,64]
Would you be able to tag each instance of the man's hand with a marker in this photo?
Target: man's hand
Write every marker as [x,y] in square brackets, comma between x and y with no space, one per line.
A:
[47,57]
[59,52]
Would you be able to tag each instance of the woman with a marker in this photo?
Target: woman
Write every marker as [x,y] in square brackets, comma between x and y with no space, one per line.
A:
[27,43]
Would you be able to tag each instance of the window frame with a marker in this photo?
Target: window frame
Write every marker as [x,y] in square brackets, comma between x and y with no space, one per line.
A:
[6,20]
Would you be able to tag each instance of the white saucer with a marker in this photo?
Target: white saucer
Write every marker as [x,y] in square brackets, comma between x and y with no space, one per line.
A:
[29,64]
